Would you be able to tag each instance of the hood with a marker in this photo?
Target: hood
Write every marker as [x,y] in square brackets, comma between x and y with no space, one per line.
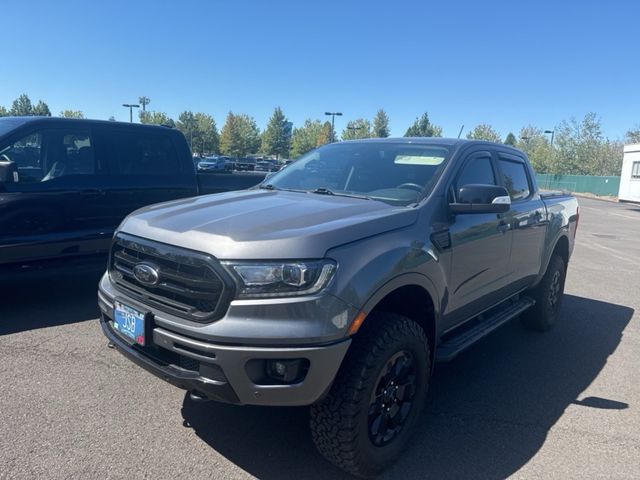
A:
[261,224]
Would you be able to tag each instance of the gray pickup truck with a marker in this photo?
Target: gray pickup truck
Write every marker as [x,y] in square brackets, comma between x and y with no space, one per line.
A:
[339,281]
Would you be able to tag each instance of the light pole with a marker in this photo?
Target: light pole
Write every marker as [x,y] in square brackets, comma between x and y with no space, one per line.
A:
[552,132]
[130,106]
[333,116]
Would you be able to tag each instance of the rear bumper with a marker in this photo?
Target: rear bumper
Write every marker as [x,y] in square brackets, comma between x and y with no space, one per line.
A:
[221,372]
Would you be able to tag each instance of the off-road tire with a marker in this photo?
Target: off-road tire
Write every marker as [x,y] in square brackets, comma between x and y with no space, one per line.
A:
[341,425]
[548,296]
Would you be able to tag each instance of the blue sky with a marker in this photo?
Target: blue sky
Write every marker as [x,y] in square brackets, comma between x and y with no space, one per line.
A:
[506,63]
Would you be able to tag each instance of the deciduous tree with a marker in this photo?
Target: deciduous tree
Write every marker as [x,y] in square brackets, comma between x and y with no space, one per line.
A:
[359,128]
[484,131]
[71,114]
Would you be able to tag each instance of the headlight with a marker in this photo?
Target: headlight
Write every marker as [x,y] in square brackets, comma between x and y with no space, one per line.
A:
[281,279]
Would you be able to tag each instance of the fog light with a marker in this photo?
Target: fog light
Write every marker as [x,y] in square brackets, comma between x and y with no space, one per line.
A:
[287,371]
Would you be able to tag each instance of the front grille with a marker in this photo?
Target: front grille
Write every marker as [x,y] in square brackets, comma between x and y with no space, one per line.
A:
[190,284]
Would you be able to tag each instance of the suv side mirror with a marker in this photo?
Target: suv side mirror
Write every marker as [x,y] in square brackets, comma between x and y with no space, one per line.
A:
[8,170]
[481,199]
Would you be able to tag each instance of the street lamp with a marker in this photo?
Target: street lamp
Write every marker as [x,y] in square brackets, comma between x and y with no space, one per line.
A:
[333,116]
[130,106]
[552,133]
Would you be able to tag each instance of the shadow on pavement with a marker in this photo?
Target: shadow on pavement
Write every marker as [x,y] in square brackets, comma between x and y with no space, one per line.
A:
[489,410]
[50,300]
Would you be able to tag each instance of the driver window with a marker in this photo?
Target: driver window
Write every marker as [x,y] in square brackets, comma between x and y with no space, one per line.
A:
[44,156]
[26,157]
[477,170]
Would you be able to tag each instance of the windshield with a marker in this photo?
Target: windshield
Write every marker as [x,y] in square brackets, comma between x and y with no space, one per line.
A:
[396,173]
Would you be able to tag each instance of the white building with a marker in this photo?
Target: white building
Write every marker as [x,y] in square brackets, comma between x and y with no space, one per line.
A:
[630,176]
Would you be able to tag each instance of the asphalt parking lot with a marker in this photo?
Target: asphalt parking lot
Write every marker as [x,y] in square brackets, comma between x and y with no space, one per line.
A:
[565,404]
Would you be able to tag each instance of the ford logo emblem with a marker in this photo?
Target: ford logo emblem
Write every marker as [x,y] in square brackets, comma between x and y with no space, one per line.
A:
[146,274]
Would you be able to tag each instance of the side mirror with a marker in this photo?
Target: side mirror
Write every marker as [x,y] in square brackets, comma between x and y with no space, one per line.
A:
[481,199]
[8,170]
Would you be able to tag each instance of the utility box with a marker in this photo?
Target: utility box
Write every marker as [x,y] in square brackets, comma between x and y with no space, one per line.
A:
[630,175]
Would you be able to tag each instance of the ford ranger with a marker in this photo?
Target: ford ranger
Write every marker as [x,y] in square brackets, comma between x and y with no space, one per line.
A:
[339,282]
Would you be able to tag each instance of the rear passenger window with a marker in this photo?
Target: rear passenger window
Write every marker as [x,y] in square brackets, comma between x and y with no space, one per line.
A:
[145,154]
[478,170]
[514,177]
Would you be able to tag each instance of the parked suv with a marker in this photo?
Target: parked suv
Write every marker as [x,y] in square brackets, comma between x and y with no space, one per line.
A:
[339,282]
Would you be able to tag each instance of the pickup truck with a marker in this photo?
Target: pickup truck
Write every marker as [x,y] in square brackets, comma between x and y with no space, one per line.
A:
[339,282]
[66,184]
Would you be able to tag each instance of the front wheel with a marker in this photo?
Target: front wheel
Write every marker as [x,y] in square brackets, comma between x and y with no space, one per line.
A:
[548,296]
[363,424]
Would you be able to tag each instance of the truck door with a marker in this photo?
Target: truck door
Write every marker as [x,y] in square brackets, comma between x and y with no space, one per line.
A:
[526,220]
[144,168]
[54,206]
[480,244]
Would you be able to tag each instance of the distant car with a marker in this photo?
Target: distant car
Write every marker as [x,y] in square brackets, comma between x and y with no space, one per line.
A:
[212,164]
[267,166]
[245,164]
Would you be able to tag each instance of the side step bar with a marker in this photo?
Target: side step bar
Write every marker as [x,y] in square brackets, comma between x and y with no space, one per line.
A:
[451,347]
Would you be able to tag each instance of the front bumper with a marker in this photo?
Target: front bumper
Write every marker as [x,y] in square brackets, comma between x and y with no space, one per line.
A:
[221,372]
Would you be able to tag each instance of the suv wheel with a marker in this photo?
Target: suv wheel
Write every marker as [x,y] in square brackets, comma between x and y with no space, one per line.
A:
[363,424]
[548,296]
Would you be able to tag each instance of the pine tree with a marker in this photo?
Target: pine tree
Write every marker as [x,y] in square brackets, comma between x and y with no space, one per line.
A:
[510,139]
[381,125]
[276,139]
[422,127]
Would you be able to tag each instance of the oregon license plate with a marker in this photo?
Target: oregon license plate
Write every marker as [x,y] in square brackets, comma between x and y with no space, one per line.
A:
[129,322]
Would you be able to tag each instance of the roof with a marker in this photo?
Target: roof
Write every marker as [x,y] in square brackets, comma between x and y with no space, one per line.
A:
[19,121]
[449,142]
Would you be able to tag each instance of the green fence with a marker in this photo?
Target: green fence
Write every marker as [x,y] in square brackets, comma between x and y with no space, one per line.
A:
[601,186]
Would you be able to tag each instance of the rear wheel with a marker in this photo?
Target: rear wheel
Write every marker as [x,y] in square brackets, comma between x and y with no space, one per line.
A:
[363,424]
[548,296]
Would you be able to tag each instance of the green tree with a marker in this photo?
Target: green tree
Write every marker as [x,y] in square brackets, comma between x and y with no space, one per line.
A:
[510,139]
[187,125]
[381,125]
[359,128]
[206,139]
[22,106]
[3,111]
[240,135]
[305,138]
[484,131]
[41,109]
[276,139]
[327,134]
[156,118]
[633,135]
[71,114]
[422,127]
[536,145]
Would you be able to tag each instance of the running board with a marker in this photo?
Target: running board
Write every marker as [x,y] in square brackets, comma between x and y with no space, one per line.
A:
[447,350]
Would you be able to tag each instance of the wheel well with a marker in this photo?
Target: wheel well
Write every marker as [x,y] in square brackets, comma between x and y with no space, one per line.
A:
[562,249]
[414,302]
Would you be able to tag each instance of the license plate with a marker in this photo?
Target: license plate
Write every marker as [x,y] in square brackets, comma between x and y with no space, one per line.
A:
[129,322]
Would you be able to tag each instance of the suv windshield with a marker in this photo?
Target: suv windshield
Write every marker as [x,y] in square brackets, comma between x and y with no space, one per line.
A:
[396,173]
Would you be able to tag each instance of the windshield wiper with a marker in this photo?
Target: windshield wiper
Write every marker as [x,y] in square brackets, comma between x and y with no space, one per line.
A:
[267,186]
[326,191]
